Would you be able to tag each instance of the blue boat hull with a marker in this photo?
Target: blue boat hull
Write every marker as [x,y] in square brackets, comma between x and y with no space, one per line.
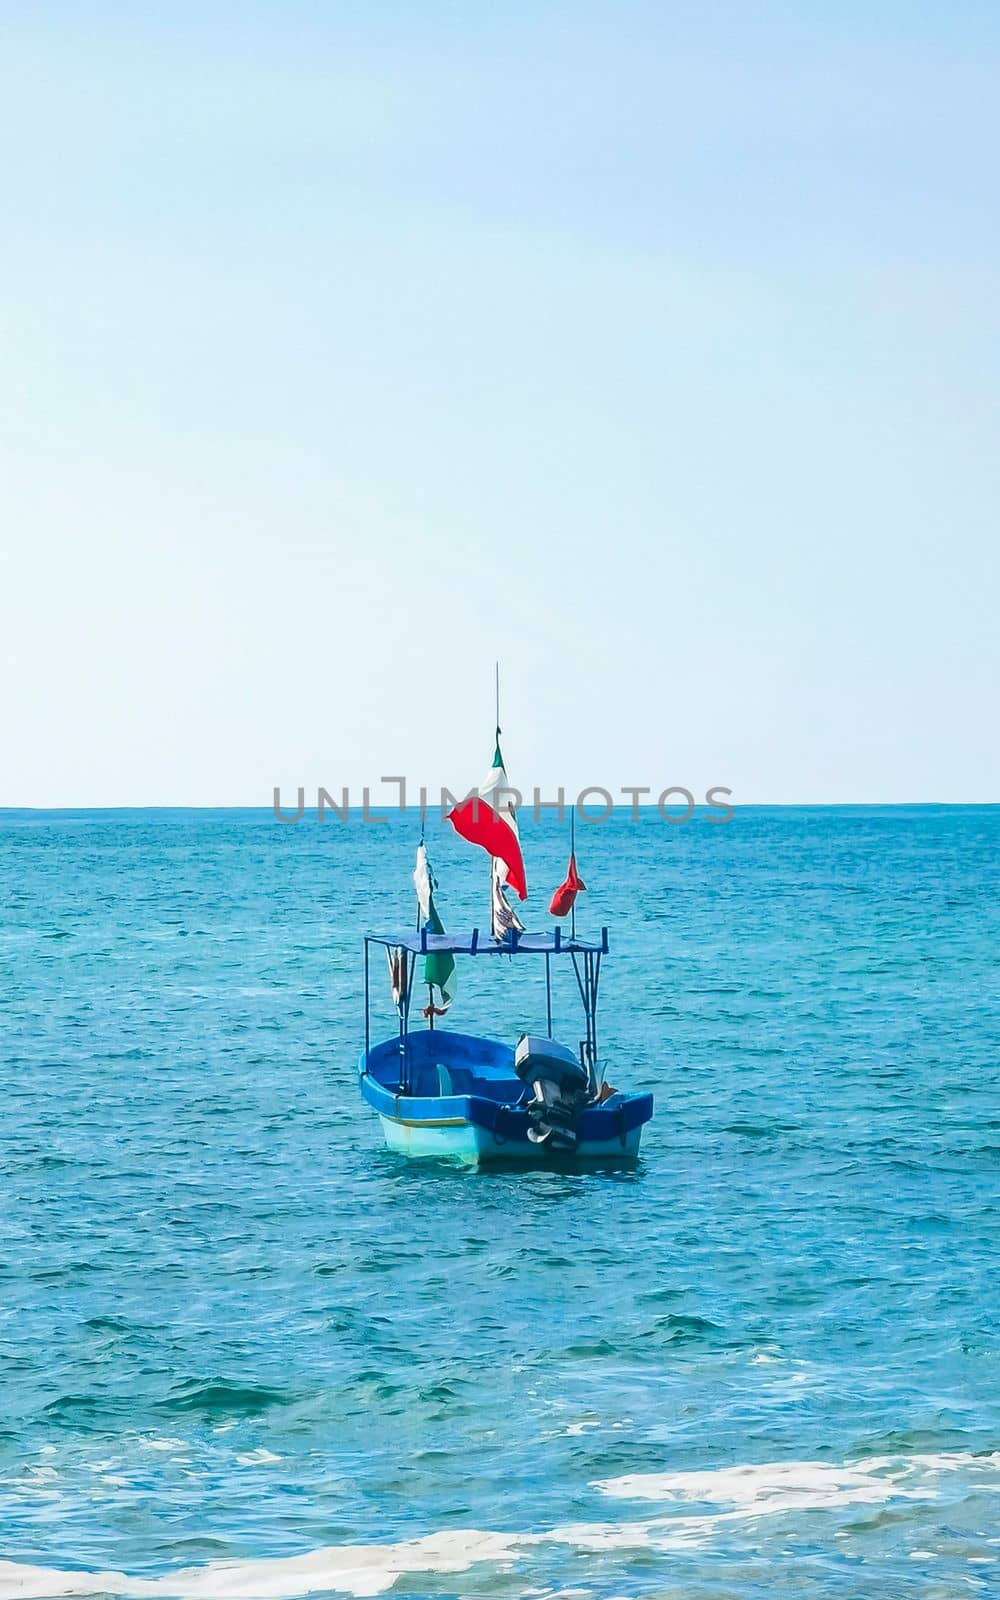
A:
[462,1104]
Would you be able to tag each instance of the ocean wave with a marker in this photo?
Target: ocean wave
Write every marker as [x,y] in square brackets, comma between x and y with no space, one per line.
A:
[745,1491]
[222,1397]
[356,1570]
[777,1486]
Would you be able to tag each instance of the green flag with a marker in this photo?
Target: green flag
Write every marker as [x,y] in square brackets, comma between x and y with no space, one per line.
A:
[439,966]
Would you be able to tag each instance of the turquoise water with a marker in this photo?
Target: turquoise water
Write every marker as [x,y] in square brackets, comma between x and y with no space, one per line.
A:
[234,1330]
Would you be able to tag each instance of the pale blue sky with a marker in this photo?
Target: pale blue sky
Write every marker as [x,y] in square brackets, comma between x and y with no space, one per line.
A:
[651,347]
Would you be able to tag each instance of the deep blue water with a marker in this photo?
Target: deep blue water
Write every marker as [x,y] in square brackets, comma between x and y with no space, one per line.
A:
[234,1329]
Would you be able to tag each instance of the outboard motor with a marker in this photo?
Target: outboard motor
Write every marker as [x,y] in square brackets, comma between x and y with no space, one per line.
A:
[561,1088]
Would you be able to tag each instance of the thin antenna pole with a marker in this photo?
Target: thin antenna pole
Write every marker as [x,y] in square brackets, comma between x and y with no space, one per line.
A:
[498,697]
[572,852]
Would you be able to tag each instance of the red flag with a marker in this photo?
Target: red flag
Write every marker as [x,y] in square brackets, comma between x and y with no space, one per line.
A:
[562,900]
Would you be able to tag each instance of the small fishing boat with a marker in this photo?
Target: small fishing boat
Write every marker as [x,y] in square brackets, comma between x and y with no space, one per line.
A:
[442,1093]
[447,1094]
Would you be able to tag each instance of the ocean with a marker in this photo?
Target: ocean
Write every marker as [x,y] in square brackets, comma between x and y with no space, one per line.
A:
[246,1352]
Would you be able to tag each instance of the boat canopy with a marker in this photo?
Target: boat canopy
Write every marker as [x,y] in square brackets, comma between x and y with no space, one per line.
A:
[473,944]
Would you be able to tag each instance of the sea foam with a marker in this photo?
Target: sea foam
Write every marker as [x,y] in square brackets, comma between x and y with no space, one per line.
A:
[744,1491]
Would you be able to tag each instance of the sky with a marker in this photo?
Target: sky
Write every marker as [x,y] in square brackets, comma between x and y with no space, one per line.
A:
[649,348]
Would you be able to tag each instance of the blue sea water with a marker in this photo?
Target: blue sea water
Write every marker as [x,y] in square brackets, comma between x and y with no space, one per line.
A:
[245,1351]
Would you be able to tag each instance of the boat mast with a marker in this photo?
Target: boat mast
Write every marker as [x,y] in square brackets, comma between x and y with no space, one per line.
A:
[497,761]
[430,986]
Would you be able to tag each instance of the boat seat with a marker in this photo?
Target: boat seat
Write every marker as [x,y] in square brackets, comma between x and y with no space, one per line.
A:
[458,1080]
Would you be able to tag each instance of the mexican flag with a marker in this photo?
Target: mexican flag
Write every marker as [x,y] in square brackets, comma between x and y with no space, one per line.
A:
[439,965]
[491,823]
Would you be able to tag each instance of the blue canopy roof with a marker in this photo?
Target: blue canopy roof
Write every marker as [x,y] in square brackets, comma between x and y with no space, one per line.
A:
[475,944]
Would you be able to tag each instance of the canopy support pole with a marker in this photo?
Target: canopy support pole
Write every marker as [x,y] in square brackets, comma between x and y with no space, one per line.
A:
[548,994]
[596,960]
[591,977]
[579,981]
[404,1024]
[367,1022]
[587,986]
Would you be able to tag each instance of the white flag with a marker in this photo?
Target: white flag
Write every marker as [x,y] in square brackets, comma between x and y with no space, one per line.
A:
[504,915]
[422,882]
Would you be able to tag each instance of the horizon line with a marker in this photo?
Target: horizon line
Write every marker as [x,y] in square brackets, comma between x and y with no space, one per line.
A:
[388,811]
